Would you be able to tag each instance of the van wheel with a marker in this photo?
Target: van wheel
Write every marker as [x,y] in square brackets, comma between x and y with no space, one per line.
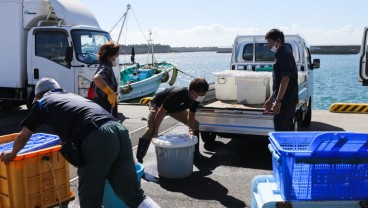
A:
[208,137]
[308,116]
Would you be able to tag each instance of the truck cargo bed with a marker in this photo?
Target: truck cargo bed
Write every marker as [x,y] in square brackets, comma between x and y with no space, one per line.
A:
[233,105]
[230,117]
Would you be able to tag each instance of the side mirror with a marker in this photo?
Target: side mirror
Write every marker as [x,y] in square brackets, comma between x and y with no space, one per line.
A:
[316,63]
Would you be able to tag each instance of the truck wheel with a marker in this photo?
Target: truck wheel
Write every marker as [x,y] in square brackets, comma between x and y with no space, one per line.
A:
[30,100]
[295,123]
[308,116]
[208,137]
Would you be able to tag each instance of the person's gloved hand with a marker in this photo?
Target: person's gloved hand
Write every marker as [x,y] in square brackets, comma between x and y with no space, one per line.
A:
[111,95]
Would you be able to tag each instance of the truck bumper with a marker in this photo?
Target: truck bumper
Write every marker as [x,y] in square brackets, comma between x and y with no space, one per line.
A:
[221,122]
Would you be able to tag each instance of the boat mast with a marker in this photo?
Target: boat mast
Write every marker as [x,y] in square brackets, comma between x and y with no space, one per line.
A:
[150,47]
[124,16]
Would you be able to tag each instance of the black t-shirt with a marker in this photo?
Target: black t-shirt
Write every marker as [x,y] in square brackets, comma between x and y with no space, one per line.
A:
[107,73]
[175,99]
[285,66]
[69,115]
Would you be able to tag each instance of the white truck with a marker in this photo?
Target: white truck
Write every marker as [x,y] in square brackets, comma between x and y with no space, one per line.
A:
[46,38]
[252,60]
[363,67]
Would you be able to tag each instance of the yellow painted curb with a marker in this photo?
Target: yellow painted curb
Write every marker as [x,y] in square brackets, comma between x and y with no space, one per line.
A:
[349,108]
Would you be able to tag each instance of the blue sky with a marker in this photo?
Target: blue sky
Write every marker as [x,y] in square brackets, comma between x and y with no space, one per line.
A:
[201,23]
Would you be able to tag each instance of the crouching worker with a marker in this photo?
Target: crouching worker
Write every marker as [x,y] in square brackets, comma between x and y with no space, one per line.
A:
[181,104]
[103,145]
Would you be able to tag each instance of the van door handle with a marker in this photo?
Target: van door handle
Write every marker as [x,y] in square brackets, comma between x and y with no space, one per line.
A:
[36,74]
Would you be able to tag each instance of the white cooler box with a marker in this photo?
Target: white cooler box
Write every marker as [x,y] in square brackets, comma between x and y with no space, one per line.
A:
[225,86]
[253,87]
[174,155]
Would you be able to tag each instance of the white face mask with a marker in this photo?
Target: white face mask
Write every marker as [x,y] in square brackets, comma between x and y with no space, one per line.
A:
[274,48]
[200,99]
[115,62]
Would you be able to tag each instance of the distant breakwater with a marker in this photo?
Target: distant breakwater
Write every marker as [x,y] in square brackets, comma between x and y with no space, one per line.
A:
[158,48]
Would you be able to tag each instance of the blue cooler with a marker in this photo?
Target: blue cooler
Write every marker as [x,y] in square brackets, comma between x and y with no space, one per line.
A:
[110,200]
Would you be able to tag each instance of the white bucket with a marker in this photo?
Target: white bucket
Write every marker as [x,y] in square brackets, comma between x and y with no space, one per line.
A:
[253,87]
[225,86]
[174,155]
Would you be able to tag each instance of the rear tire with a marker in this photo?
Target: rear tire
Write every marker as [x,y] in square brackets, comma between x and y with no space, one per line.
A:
[308,116]
[208,137]
[295,123]
[30,100]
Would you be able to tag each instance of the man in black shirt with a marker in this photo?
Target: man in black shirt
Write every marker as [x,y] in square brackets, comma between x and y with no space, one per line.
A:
[175,102]
[102,142]
[284,98]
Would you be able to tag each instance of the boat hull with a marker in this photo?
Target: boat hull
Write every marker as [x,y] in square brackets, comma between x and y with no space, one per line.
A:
[144,87]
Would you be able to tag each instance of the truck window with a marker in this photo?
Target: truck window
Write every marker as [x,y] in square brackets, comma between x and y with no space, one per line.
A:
[248,52]
[87,43]
[52,45]
[262,52]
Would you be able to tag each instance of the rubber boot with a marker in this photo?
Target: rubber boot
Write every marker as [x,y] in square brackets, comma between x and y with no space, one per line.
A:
[143,145]
[197,154]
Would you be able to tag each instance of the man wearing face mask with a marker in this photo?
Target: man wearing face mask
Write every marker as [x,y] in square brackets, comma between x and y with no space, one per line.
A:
[181,104]
[105,84]
[284,98]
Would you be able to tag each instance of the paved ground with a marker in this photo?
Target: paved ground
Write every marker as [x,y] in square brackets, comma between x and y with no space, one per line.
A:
[224,180]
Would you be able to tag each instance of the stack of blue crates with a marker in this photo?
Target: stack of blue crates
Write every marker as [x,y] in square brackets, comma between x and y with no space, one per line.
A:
[320,166]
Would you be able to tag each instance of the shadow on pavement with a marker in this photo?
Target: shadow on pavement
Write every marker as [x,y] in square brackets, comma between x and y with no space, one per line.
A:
[251,152]
[197,186]
[319,126]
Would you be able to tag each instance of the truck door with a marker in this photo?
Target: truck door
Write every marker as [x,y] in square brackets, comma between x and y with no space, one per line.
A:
[47,57]
[363,68]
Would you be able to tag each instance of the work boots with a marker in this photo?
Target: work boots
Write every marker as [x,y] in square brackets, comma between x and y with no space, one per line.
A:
[143,145]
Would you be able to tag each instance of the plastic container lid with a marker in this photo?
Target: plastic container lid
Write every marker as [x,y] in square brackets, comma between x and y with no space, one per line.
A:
[175,140]
[226,73]
[254,75]
[36,142]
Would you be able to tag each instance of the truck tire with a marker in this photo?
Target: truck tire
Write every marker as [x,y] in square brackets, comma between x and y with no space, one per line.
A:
[308,116]
[208,137]
[295,123]
[30,100]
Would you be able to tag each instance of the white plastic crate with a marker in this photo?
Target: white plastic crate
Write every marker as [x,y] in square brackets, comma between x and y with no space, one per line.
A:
[266,195]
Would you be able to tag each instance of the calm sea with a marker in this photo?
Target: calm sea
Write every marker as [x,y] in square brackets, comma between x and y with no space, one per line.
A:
[335,81]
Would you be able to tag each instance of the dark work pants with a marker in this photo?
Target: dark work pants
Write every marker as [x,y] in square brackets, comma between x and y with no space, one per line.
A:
[284,120]
[107,154]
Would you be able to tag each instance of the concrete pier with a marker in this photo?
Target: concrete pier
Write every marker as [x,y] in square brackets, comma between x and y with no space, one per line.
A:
[223,179]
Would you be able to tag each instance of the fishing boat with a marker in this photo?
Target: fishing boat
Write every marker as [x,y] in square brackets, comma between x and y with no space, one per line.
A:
[137,80]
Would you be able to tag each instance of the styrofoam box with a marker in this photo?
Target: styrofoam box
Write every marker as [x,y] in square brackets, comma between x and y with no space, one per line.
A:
[225,86]
[265,194]
[253,87]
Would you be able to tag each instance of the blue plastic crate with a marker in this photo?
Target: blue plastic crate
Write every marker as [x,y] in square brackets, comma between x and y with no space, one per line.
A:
[320,166]
[36,142]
